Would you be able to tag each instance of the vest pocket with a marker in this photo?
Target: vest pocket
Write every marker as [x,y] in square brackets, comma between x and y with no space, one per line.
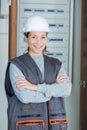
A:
[58,124]
[56,105]
[30,125]
[34,108]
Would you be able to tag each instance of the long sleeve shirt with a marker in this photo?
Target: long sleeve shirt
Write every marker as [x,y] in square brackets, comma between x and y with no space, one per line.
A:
[44,91]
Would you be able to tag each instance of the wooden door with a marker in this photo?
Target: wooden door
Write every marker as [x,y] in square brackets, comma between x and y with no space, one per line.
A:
[13,29]
[83,95]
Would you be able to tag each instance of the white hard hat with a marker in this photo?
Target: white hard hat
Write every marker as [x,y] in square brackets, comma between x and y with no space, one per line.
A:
[36,24]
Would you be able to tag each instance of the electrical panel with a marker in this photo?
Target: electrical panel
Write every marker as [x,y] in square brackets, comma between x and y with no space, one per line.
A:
[59,14]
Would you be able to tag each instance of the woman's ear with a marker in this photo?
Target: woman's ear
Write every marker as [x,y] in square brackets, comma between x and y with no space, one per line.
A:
[25,39]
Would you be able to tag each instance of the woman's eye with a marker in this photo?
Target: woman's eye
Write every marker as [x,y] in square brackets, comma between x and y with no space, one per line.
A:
[33,37]
[43,37]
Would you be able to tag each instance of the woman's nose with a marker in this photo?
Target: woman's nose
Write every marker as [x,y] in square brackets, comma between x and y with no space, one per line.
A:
[38,40]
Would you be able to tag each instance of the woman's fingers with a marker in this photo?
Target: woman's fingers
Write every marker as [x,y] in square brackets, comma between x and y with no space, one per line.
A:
[22,83]
[62,79]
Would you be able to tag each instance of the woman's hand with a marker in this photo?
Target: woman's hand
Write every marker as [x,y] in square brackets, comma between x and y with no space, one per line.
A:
[61,78]
[22,83]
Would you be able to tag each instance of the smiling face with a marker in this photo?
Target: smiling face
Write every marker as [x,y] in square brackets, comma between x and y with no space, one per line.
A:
[37,42]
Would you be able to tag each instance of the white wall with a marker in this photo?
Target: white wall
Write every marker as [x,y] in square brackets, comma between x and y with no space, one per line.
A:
[4,6]
[72,103]
[3,63]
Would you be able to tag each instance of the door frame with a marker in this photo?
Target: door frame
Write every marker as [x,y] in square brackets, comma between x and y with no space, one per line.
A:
[81,63]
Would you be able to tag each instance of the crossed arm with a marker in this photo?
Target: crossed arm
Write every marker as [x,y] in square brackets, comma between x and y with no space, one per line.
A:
[27,92]
[22,83]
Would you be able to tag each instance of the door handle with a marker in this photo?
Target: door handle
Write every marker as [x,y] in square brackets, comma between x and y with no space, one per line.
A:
[83,84]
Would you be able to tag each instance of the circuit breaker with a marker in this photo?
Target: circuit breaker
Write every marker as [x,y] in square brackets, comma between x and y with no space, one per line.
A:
[59,14]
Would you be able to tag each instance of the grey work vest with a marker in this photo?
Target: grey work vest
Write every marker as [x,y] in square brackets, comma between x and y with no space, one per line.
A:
[50,115]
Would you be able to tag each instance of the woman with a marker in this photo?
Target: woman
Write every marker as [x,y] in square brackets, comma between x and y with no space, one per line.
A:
[36,84]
